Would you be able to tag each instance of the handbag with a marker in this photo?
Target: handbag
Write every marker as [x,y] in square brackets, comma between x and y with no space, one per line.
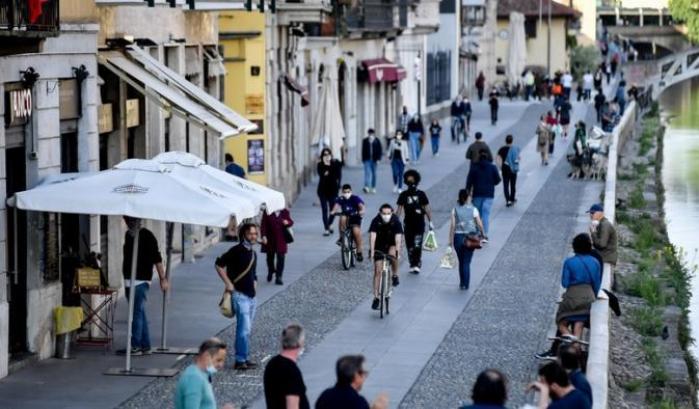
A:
[473,242]
[226,306]
[288,235]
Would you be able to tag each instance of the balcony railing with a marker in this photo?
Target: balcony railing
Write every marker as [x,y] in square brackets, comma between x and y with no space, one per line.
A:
[35,18]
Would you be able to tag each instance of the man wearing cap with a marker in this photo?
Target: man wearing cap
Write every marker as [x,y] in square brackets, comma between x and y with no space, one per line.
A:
[603,234]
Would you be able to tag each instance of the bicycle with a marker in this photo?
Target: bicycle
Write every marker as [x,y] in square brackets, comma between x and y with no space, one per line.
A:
[385,286]
[348,248]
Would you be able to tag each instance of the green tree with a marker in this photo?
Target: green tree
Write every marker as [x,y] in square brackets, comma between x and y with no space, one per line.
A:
[687,12]
[583,59]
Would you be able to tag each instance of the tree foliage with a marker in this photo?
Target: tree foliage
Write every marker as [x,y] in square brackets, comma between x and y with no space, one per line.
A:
[583,59]
[687,12]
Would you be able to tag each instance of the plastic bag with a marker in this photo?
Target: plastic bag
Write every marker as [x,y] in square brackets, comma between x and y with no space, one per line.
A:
[448,259]
[430,242]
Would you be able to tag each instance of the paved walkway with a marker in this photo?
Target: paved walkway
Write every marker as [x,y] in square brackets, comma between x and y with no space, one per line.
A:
[334,305]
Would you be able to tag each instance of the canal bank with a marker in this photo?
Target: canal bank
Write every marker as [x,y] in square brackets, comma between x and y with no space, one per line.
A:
[650,365]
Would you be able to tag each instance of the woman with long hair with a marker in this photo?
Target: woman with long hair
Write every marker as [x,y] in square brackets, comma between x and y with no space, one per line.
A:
[330,178]
[465,222]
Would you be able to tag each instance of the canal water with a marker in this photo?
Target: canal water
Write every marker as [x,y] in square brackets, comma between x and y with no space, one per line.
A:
[680,105]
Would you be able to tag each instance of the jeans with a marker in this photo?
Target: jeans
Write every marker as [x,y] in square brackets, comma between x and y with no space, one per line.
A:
[493,116]
[326,206]
[244,314]
[414,139]
[464,255]
[528,92]
[277,269]
[435,145]
[413,243]
[509,182]
[140,338]
[587,94]
[370,174]
[398,167]
[454,121]
[483,204]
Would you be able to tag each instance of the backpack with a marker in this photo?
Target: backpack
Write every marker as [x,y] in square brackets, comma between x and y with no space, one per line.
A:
[557,89]
[512,159]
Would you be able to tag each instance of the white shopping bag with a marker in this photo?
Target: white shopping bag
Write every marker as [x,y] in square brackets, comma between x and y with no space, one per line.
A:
[430,242]
[448,259]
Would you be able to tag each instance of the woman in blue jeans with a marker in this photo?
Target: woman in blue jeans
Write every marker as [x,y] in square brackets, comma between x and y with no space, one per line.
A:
[465,221]
[398,155]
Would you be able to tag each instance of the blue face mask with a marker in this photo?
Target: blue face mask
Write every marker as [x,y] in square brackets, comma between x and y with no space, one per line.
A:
[211,370]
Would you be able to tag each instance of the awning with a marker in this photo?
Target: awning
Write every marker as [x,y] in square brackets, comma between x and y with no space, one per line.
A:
[173,92]
[382,70]
[293,85]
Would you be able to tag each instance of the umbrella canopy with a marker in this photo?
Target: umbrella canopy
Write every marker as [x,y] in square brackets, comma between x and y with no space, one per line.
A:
[517,49]
[249,195]
[328,130]
[139,188]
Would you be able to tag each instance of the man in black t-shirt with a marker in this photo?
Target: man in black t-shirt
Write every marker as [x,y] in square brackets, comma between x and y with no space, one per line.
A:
[385,235]
[283,382]
[148,257]
[350,379]
[237,268]
[416,206]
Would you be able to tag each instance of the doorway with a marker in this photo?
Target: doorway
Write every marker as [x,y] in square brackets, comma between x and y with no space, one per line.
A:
[16,228]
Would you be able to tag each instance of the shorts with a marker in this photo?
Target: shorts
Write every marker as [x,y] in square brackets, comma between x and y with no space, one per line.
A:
[354,220]
[383,246]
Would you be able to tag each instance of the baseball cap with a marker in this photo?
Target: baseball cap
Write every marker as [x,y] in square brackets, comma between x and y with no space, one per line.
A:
[596,208]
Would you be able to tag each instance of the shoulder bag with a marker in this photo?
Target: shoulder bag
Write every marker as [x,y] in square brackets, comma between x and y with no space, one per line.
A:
[472,240]
[226,305]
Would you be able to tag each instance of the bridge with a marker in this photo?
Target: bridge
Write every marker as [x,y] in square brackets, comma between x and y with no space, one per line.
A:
[674,69]
[653,41]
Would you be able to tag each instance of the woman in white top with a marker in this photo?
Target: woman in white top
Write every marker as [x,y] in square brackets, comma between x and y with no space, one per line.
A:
[398,155]
[465,222]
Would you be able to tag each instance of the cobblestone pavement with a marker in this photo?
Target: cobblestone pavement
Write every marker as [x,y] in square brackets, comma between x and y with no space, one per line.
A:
[509,316]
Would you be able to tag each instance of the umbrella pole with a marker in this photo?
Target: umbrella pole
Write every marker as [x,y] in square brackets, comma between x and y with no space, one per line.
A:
[132,296]
[166,294]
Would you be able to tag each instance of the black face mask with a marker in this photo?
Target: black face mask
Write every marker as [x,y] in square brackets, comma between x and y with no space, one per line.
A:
[412,186]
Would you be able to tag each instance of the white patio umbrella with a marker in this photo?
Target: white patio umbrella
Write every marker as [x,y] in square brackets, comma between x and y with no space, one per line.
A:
[327,129]
[138,188]
[248,195]
[517,49]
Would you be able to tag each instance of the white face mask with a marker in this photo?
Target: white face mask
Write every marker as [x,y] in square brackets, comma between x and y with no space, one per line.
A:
[347,195]
[595,223]
[386,218]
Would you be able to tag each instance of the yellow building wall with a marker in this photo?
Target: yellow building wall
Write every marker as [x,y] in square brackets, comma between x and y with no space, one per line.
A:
[588,21]
[244,92]
[536,47]
[78,11]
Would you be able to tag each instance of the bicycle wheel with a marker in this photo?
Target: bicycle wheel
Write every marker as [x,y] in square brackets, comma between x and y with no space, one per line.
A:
[353,253]
[382,293]
[346,253]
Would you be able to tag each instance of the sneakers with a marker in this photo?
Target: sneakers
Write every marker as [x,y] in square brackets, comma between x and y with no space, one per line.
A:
[278,281]
[366,189]
[134,351]
[569,338]
[414,270]
[375,304]
[269,277]
[244,366]
[373,190]
[508,204]
[326,233]
[463,287]
[484,240]
[360,257]
[395,281]
[548,355]
[395,189]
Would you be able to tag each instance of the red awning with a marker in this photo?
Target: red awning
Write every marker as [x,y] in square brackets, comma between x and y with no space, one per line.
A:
[382,70]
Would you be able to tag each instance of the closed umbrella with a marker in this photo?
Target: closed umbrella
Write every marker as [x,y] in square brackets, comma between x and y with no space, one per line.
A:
[328,130]
[138,188]
[517,49]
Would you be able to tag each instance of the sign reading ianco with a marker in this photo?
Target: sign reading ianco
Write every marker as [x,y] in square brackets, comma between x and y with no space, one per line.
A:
[20,106]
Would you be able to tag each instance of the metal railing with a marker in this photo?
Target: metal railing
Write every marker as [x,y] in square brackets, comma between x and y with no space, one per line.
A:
[369,15]
[22,17]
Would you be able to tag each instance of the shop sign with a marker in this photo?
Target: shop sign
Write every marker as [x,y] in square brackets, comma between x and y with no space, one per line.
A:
[20,105]
[69,99]
[256,156]
[104,118]
[132,114]
[255,104]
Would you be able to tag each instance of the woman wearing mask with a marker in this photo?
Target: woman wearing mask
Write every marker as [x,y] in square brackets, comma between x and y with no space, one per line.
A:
[398,155]
[330,177]
[274,242]
[465,222]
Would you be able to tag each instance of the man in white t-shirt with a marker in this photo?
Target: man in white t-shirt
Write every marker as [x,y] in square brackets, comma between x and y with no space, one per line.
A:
[567,82]
[588,81]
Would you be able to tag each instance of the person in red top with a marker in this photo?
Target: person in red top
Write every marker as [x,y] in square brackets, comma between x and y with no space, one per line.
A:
[274,243]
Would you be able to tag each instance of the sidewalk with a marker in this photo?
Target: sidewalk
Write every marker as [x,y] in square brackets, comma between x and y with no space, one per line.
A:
[79,383]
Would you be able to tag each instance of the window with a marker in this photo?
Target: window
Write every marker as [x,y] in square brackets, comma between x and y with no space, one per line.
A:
[530,25]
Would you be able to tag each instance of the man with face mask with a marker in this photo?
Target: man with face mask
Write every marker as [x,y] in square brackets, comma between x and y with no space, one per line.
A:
[416,206]
[237,269]
[603,234]
[385,235]
[283,382]
[194,389]
[350,207]
[148,258]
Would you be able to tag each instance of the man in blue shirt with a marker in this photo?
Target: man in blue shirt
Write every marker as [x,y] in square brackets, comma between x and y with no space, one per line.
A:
[481,181]
[489,391]
[233,168]
[194,389]
[351,209]
[554,383]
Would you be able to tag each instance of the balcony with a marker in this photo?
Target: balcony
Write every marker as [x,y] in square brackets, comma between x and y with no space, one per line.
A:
[29,18]
[368,17]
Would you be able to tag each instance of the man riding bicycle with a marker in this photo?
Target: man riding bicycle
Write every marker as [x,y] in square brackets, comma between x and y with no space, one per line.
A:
[385,236]
[351,209]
